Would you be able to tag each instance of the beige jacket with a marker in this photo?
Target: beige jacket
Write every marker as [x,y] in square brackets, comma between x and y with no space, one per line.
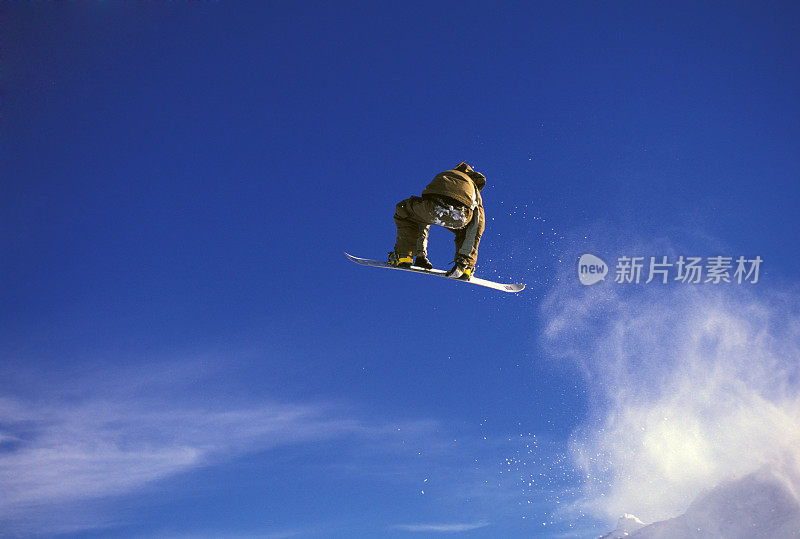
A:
[461,183]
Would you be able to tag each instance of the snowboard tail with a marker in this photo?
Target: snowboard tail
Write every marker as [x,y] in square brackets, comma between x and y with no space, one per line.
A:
[514,287]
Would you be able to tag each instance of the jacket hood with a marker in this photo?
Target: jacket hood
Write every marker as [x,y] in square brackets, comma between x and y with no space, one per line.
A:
[477,177]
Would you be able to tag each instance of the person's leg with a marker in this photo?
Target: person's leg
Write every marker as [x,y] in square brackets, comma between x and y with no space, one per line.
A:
[409,228]
[469,237]
[414,216]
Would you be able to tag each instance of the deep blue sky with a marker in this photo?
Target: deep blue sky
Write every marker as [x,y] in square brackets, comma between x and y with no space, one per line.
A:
[179,182]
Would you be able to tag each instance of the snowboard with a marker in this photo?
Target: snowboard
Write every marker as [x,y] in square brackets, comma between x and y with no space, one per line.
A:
[516,287]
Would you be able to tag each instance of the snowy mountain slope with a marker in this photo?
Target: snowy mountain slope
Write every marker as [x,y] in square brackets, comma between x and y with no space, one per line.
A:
[626,525]
[764,504]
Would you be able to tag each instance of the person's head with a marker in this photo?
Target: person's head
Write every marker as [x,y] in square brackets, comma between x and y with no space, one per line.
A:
[477,177]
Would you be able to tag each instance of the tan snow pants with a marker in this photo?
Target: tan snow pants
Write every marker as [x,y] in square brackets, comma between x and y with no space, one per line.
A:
[414,217]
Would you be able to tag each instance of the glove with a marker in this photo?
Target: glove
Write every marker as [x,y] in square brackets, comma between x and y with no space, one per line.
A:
[460,270]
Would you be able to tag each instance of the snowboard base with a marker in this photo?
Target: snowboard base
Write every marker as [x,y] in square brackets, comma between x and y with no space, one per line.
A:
[515,287]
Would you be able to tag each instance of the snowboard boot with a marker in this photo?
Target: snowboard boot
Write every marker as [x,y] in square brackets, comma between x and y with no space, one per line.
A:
[422,262]
[399,261]
[460,270]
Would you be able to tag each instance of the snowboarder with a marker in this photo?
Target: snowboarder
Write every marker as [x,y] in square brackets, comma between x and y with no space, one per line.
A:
[452,200]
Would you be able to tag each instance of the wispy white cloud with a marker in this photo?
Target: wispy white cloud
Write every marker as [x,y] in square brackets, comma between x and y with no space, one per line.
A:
[286,534]
[76,452]
[691,385]
[96,448]
[88,439]
[442,528]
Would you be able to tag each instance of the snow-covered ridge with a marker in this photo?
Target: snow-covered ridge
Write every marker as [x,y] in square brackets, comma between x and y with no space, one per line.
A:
[626,525]
[763,504]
